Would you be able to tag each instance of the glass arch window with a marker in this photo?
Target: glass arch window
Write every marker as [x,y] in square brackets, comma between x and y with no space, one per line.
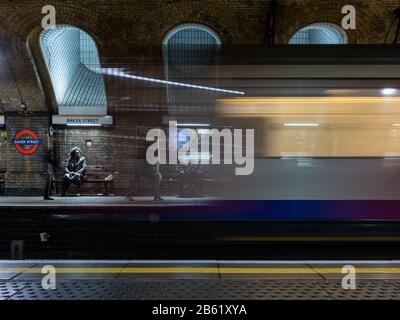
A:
[72,61]
[190,46]
[190,56]
[320,33]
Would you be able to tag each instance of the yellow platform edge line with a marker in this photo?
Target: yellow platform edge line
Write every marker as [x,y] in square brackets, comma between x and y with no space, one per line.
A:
[244,238]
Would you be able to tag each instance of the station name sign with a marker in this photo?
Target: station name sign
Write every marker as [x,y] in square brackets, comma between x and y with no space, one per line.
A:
[27,142]
[82,120]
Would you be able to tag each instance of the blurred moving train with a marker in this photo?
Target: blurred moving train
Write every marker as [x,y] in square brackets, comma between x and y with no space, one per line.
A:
[327,123]
[332,147]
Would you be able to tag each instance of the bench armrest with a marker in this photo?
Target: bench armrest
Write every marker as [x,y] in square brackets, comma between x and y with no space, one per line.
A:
[110,177]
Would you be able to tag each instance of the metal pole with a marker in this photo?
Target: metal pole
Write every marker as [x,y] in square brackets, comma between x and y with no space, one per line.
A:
[270,28]
[396,12]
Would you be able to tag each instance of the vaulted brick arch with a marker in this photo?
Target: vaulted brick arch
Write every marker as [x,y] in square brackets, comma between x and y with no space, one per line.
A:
[25,18]
[233,25]
[20,28]
[293,16]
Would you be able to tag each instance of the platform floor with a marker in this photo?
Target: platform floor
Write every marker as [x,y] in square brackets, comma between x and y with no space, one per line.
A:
[194,280]
[98,201]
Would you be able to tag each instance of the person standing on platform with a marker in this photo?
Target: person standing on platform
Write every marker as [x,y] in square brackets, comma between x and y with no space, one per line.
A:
[157,184]
[51,163]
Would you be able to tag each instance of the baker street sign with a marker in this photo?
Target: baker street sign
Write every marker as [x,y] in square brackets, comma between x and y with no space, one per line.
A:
[82,120]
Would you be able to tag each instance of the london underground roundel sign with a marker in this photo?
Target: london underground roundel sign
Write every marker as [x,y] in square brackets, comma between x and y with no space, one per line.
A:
[26,142]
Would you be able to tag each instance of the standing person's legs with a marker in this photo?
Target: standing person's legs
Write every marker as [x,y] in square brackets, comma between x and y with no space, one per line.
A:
[47,188]
[158,188]
[130,194]
[51,185]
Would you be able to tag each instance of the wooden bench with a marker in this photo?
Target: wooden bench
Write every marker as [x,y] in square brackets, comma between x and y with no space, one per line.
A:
[170,185]
[98,175]
[2,180]
[175,184]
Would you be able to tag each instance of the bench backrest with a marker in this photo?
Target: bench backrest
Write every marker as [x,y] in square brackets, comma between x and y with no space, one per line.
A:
[100,168]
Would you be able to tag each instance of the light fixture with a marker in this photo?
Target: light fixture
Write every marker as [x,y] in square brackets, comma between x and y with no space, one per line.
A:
[301,124]
[203,131]
[188,125]
[388,91]
[391,156]
[121,73]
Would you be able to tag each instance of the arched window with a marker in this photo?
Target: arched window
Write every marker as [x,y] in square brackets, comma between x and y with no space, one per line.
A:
[73,64]
[190,56]
[320,33]
[190,46]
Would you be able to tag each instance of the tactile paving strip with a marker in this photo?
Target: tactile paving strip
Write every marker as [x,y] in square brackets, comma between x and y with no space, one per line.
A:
[7,289]
[201,290]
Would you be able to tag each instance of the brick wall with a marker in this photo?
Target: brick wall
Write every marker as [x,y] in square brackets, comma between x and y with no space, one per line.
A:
[236,21]
[25,173]
[3,149]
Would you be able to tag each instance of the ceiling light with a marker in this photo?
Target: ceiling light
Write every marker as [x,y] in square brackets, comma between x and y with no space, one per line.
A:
[388,91]
[301,124]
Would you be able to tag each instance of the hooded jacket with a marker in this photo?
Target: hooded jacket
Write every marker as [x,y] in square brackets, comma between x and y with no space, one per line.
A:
[79,166]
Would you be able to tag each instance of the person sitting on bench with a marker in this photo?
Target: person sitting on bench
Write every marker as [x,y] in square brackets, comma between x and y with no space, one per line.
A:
[75,170]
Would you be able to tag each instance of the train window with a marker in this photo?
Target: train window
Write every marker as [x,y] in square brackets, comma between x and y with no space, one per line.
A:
[319,126]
